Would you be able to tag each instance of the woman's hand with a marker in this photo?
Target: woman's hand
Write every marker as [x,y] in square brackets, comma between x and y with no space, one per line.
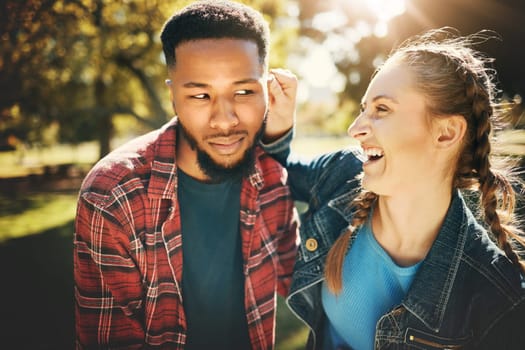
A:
[282,91]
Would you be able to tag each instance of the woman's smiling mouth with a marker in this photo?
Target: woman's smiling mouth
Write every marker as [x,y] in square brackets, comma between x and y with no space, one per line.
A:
[373,153]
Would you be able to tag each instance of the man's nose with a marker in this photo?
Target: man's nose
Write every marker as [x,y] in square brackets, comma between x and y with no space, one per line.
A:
[224,116]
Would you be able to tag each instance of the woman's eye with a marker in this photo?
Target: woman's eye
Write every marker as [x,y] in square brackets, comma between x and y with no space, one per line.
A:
[382,109]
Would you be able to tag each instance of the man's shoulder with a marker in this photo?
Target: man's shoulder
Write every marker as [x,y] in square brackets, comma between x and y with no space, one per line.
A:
[130,162]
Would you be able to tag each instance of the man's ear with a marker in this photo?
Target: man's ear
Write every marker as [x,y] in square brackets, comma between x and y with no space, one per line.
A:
[169,84]
[450,130]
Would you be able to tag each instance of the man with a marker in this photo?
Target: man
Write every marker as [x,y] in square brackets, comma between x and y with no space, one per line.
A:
[184,235]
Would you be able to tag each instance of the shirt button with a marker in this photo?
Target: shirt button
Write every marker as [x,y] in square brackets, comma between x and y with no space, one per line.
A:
[311,244]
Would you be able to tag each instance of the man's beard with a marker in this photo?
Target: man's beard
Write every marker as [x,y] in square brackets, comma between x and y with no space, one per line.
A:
[218,172]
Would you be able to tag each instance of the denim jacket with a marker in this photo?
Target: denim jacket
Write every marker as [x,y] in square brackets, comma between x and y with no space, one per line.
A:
[465,295]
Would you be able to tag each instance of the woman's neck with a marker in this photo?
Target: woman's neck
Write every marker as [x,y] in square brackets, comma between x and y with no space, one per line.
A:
[407,225]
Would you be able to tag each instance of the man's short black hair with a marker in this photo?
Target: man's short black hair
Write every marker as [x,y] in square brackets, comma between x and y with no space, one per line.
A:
[211,19]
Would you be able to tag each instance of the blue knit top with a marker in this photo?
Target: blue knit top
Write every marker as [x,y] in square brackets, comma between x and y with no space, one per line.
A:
[372,285]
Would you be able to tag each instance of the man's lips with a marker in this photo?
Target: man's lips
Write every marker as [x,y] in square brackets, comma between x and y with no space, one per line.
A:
[226,146]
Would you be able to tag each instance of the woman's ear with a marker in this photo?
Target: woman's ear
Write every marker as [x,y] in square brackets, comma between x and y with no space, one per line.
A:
[450,130]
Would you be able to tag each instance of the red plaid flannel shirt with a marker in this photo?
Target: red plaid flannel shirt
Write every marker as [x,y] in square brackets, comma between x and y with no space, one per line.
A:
[128,248]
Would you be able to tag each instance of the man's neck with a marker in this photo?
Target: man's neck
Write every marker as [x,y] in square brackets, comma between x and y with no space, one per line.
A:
[187,160]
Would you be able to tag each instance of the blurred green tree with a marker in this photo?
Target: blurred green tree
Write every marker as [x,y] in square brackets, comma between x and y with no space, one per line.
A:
[79,63]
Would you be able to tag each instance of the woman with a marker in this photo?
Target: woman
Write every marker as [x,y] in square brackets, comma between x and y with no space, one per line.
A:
[395,259]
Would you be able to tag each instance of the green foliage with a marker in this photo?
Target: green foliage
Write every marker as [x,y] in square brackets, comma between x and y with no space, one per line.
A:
[81,62]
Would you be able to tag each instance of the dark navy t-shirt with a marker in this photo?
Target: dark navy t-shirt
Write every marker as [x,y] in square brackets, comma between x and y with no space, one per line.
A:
[212,272]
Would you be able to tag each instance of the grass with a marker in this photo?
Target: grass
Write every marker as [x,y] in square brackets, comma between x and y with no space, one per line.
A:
[32,214]
[23,162]
[291,334]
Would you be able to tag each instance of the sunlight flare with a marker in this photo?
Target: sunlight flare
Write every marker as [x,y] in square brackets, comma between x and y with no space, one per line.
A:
[384,10]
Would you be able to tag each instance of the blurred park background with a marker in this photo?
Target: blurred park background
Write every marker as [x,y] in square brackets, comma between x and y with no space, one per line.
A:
[80,77]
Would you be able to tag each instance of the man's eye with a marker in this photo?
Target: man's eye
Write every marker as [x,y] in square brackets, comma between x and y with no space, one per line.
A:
[244,92]
[200,96]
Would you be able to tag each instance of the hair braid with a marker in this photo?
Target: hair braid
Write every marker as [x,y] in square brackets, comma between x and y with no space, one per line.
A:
[496,193]
[475,158]
[334,261]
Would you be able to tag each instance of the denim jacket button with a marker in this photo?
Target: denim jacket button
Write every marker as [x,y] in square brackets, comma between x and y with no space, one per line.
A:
[311,244]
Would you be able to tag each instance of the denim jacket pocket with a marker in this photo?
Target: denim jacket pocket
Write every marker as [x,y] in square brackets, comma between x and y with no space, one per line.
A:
[427,341]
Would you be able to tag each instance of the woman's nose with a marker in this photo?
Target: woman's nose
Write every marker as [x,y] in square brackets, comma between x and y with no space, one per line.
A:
[359,128]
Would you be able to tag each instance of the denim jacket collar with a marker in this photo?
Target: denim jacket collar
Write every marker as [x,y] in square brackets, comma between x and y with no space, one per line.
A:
[428,302]
[342,203]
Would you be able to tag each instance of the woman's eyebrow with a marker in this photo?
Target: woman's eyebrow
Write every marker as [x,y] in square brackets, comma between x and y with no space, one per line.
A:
[386,97]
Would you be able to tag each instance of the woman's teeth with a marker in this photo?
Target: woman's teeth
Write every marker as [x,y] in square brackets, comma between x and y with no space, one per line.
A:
[373,153]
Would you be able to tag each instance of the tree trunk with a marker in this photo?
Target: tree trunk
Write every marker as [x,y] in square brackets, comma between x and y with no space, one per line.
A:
[104,118]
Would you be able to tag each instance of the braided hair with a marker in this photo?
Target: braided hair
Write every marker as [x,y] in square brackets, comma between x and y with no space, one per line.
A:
[455,80]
